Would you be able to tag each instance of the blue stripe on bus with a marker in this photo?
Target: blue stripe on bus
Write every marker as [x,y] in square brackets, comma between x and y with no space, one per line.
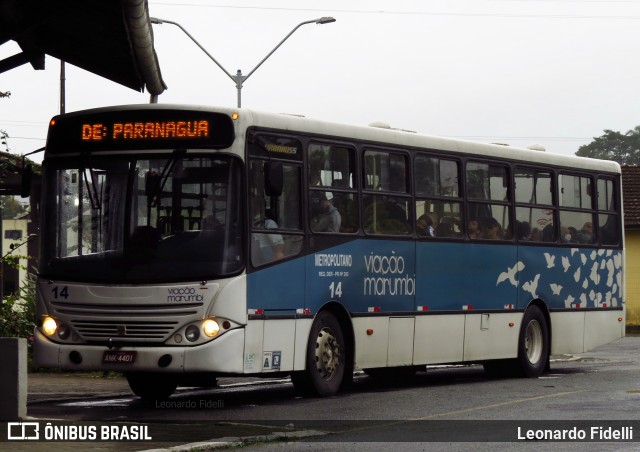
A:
[403,276]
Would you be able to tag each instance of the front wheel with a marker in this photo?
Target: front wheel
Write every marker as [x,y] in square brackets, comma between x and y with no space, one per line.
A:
[325,358]
[151,386]
[533,344]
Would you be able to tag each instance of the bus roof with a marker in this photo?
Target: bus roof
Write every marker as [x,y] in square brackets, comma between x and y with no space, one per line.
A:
[383,135]
[398,137]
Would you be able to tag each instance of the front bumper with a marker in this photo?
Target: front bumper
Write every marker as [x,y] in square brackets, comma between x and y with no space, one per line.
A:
[223,354]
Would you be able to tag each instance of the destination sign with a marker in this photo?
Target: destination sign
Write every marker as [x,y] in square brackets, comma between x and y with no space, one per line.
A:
[127,129]
[158,130]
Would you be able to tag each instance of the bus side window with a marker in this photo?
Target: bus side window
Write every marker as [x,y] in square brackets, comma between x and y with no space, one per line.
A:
[488,189]
[387,206]
[438,199]
[276,219]
[333,200]
[535,211]
[608,227]
[577,215]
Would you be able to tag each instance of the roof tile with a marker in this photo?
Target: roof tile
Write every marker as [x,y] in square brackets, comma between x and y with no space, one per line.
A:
[631,194]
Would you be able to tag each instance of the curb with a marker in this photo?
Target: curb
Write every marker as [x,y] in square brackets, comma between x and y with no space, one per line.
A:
[224,443]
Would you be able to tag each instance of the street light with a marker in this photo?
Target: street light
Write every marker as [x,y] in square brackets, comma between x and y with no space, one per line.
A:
[239,79]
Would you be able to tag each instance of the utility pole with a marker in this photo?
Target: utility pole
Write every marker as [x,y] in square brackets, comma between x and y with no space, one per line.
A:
[62,88]
[1,252]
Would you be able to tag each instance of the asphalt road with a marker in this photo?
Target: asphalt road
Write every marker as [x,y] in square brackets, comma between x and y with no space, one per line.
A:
[446,408]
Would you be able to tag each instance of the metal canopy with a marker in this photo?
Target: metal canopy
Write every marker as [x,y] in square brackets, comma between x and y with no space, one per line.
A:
[110,38]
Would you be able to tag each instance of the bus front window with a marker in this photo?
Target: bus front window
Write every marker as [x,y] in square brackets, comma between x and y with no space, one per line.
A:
[143,220]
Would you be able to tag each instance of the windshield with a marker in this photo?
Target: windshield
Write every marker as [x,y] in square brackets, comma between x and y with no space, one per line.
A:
[123,220]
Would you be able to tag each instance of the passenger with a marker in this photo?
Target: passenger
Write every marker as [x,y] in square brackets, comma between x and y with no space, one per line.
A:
[585,235]
[448,227]
[493,230]
[211,224]
[314,179]
[474,229]
[536,235]
[328,218]
[266,247]
[424,226]
[315,197]
[143,243]
[523,230]
[549,233]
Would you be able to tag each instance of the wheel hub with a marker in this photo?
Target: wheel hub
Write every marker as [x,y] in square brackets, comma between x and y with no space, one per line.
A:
[327,354]
[533,341]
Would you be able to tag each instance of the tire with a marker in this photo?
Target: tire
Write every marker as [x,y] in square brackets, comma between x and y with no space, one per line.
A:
[152,386]
[533,343]
[325,359]
[502,368]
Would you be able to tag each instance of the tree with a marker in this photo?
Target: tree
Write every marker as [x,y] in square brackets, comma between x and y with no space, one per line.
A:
[3,134]
[11,207]
[4,140]
[621,148]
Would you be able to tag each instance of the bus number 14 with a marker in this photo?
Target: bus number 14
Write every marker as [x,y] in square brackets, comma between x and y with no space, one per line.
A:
[60,293]
[336,290]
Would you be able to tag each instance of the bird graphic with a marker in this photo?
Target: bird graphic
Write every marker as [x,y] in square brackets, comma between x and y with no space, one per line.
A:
[532,286]
[565,263]
[510,274]
[568,301]
[617,260]
[551,260]
[594,273]
[608,297]
[555,288]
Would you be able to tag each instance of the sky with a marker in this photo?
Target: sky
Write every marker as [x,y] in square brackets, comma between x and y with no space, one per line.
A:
[555,73]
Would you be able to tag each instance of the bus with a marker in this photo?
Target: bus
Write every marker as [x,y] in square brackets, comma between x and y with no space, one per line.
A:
[184,243]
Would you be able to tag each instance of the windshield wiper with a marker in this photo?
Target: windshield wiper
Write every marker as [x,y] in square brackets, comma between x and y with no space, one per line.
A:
[92,189]
[164,176]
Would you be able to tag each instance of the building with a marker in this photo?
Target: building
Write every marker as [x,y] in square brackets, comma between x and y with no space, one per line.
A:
[14,233]
[631,199]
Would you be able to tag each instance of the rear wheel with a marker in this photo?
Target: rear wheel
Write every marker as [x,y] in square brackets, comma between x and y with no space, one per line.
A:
[151,386]
[325,358]
[533,345]
[533,349]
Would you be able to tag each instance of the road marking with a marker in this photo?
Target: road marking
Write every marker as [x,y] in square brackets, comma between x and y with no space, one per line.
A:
[496,405]
[466,410]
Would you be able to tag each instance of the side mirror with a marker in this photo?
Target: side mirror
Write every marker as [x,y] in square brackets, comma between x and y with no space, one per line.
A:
[274,178]
[152,184]
[25,183]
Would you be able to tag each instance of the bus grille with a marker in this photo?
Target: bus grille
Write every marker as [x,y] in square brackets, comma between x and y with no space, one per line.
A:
[130,322]
[96,330]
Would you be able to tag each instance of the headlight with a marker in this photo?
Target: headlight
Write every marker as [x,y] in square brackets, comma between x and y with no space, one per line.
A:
[192,333]
[49,326]
[210,327]
[63,331]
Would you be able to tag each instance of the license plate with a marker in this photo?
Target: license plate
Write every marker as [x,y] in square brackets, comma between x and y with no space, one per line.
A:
[118,357]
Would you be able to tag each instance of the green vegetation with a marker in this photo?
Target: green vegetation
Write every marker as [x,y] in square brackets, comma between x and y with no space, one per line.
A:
[616,146]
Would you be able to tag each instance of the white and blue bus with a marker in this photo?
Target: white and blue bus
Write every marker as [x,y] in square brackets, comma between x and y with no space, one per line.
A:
[182,243]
